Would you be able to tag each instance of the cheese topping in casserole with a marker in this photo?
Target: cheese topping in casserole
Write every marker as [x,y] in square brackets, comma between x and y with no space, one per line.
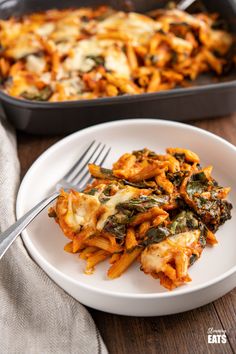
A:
[111,53]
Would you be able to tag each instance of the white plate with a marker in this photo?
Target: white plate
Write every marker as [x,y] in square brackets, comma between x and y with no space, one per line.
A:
[134,293]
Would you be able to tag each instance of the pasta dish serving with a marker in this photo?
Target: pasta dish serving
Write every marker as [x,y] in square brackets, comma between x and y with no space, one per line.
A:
[86,53]
[159,210]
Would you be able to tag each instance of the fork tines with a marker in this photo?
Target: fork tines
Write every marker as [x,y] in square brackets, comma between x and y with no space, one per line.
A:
[96,153]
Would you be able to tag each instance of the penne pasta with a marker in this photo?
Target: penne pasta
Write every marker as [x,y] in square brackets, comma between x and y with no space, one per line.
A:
[103,243]
[154,82]
[87,252]
[123,263]
[130,240]
[94,259]
[161,210]
[147,216]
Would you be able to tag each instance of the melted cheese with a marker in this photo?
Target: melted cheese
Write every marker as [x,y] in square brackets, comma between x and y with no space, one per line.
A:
[152,259]
[65,32]
[35,64]
[46,78]
[16,29]
[46,29]
[25,45]
[175,15]
[121,196]
[63,47]
[85,215]
[134,25]
[116,61]
[72,86]
[78,59]
[180,45]
[157,255]
[185,239]
[84,210]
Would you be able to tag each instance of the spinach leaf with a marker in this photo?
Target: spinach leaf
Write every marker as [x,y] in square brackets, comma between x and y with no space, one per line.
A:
[144,184]
[194,187]
[203,234]
[145,153]
[116,225]
[156,235]
[143,203]
[200,177]
[105,195]
[106,171]
[212,210]
[184,221]
[192,259]
[107,190]
[177,177]
[92,191]
[42,95]
[198,184]
[179,157]
[99,60]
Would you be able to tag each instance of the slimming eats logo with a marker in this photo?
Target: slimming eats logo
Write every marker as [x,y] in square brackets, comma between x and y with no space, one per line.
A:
[216,336]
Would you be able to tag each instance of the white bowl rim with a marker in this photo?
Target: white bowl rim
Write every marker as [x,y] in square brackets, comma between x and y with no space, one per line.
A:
[61,142]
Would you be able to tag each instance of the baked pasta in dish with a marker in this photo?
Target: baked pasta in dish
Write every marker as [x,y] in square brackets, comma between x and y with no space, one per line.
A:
[86,53]
[161,210]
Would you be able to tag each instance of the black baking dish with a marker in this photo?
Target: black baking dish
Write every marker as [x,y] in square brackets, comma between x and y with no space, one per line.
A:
[206,99]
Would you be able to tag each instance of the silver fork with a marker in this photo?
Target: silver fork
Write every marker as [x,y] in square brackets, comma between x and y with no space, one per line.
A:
[184,4]
[77,177]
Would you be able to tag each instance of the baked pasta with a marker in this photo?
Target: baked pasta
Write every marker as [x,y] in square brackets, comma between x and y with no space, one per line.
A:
[161,210]
[86,53]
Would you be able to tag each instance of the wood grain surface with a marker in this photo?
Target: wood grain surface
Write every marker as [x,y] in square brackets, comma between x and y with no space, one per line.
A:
[181,333]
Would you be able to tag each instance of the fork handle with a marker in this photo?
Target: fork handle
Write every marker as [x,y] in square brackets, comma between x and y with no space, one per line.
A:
[9,236]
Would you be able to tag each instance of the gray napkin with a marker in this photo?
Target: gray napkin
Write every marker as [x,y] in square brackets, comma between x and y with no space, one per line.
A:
[36,316]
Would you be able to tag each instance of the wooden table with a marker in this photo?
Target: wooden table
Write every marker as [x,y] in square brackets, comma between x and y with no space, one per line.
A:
[181,333]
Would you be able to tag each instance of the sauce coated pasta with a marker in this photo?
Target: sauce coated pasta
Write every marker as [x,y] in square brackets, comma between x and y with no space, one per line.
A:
[158,209]
[86,53]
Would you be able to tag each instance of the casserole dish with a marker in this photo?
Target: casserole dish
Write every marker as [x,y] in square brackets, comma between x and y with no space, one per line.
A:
[203,99]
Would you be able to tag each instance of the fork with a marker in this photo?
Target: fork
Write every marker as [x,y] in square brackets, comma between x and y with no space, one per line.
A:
[184,4]
[76,178]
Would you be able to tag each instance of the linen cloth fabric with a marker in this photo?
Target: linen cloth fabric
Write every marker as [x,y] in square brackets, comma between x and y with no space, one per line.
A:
[36,316]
